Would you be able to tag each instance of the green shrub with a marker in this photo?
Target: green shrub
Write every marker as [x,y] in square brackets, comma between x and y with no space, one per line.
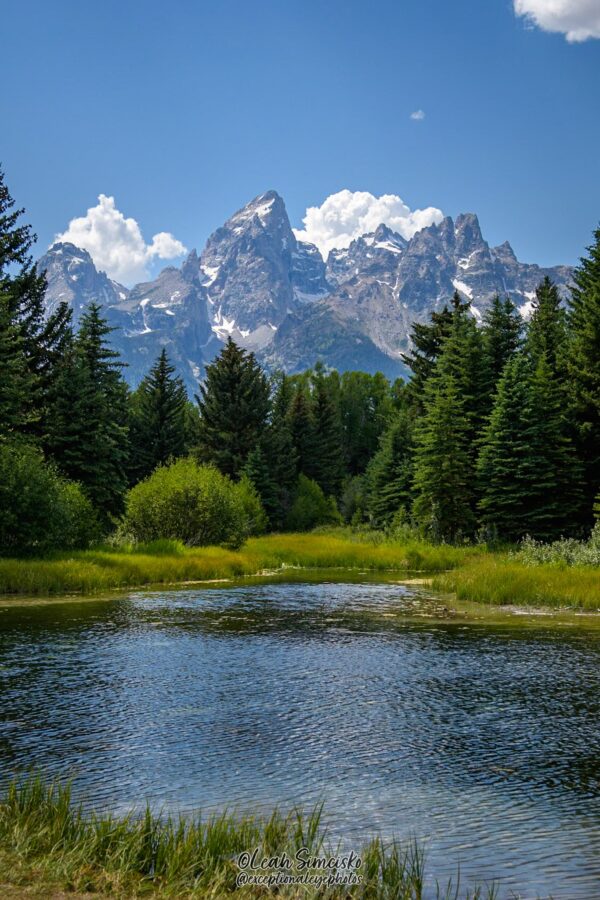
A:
[39,510]
[256,517]
[311,507]
[191,503]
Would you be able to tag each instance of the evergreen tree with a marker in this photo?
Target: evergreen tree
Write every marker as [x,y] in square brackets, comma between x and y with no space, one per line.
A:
[529,474]
[427,341]
[327,451]
[443,481]
[583,367]
[41,338]
[547,327]
[258,472]
[365,408]
[279,451]
[502,330]
[88,436]
[234,405]
[16,379]
[302,430]
[390,472]
[158,421]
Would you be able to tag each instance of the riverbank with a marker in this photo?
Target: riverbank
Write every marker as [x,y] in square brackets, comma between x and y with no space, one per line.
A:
[466,573]
[49,845]
[167,562]
[503,580]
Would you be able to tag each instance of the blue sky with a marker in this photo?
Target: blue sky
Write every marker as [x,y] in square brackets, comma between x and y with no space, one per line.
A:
[183,111]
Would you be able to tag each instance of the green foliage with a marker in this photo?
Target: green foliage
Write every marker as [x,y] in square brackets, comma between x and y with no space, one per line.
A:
[566,552]
[311,507]
[192,503]
[427,340]
[158,413]
[258,474]
[54,846]
[443,481]
[256,520]
[234,405]
[547,328]
[327,450]
[31,341]
[390,473]
[583,366]
[365,407]
[302,431]
[88,436]
[529,474]
[40,510]
[502,332]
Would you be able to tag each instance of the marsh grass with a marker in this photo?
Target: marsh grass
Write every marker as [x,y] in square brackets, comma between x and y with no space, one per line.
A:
[163,562]
[48,843]
[504,580]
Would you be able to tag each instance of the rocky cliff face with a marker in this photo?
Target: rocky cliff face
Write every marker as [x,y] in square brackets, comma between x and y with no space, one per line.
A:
[275,295]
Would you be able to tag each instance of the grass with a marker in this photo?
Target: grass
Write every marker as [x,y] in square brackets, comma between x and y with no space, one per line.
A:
[503,580]
[48,844]
[168,562]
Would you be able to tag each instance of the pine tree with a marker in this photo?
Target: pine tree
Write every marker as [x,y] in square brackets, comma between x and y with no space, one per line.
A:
[547,327]
[158,420]
[427,341]
[234,405]
[88,436]
[16,379]
[302,430]
[443,481]
[328,458]
[390,473]
[41,338]
[260,475]
[529,473]
[279,451]
[583,367]
[365,408]
[502,331]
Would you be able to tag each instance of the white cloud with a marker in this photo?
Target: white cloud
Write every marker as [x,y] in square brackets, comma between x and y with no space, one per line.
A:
[577,19]
[116,244]
[348,214]
[418,115]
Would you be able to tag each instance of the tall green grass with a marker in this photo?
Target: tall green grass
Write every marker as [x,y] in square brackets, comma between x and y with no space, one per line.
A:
[47,843]
[503,580]
[163,562]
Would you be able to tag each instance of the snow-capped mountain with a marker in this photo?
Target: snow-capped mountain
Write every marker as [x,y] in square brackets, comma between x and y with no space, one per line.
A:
[274,294]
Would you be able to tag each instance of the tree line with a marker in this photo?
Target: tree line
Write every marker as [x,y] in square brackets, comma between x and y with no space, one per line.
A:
[496,435]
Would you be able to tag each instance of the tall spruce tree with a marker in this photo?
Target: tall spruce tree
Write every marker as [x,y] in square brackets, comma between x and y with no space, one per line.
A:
[547,328]
[502,335]
[158,419]
[327,451]
[234,404]
[302,430]
[88,435]
[529,474]
[427,341]
[443,481]
[365,408]
[583,367]
[389,477]
[41,338]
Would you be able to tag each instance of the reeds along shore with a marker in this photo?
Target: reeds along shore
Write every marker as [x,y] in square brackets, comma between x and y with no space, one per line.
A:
[48,844]
[94,571]
[468,572]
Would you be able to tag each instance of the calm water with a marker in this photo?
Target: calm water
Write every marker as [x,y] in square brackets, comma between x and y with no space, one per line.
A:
[480,739]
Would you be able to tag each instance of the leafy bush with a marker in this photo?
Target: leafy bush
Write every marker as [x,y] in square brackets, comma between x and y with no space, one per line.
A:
[256,517]
[311,507]
[191,503]
[40,511]
[566,552]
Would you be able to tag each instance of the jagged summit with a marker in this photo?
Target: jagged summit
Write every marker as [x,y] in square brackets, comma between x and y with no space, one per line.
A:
[274,294]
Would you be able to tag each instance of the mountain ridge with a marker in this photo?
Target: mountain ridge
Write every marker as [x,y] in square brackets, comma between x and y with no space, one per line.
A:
[276,295]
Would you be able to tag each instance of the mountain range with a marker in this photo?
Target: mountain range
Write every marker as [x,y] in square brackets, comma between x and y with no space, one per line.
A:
[277,296]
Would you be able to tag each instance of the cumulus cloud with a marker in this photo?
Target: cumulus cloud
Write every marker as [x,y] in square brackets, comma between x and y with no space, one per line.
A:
[348,214]
[116,244]
[418,115]
[577,19]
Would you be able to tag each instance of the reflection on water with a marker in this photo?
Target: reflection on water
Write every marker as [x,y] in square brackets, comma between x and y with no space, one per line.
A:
[481,739]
